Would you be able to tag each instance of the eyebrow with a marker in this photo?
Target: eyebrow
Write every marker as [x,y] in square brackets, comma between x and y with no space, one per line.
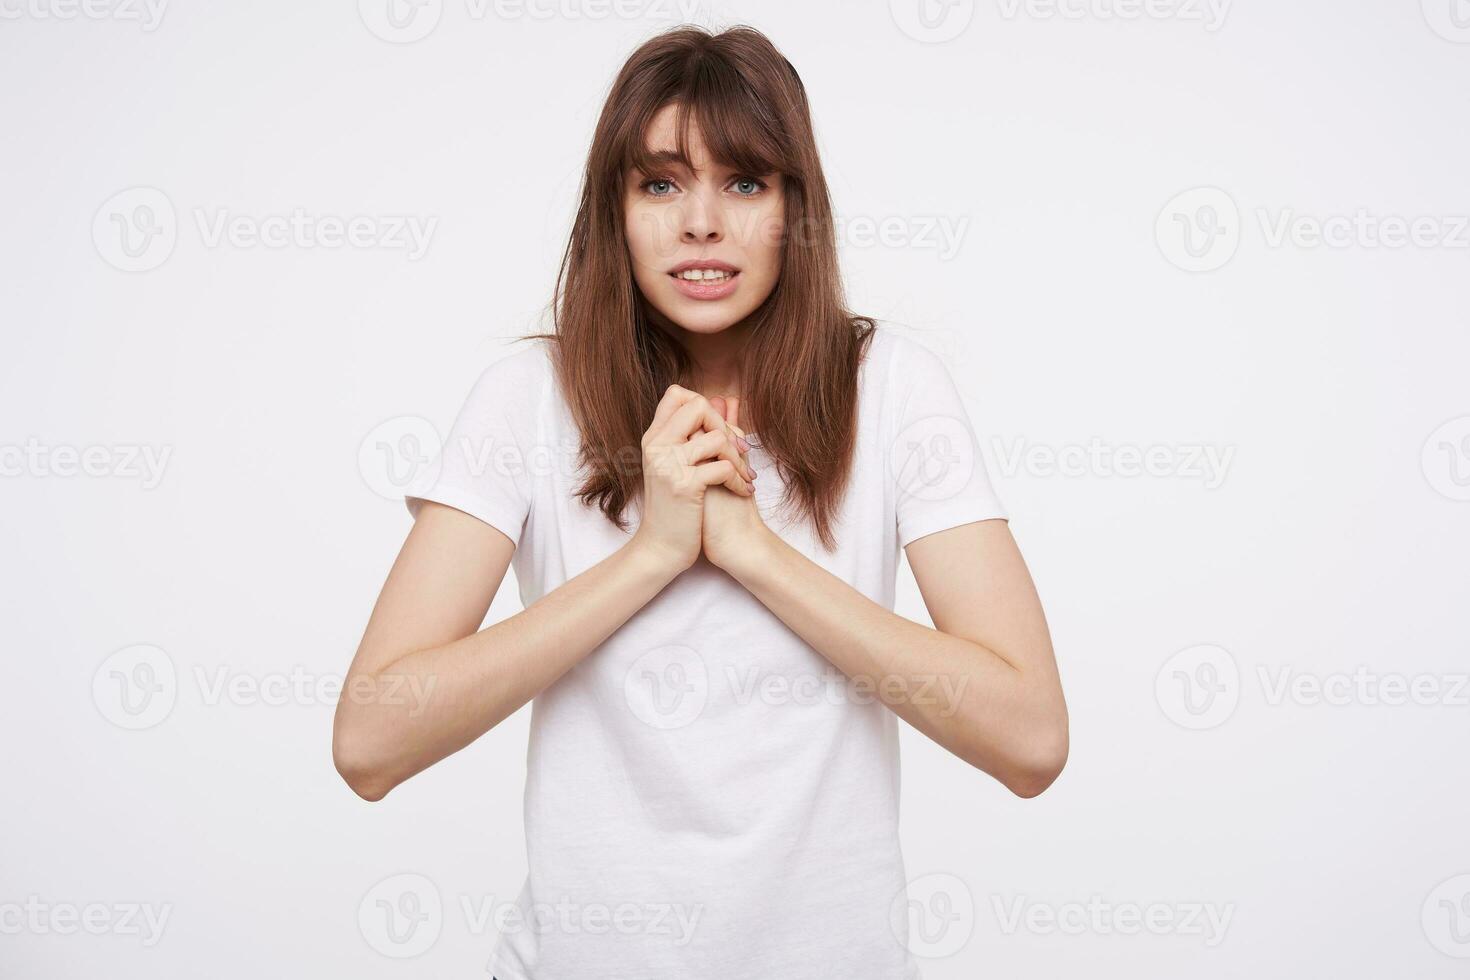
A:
[668,157]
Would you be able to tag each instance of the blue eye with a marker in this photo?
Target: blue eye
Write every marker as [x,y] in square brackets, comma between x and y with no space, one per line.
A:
[652,186]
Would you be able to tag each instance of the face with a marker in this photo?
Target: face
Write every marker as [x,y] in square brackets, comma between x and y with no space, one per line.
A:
[705,246]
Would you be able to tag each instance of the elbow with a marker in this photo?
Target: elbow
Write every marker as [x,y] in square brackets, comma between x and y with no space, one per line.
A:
[361,774]
[1043,762]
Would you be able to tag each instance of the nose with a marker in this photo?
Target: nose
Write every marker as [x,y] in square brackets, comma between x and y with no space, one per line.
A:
[702,219]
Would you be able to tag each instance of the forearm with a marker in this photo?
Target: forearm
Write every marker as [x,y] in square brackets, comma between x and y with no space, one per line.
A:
[961,694]
[431,703]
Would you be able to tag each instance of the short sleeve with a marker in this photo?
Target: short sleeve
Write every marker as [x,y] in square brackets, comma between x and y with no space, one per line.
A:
[480,469]
[939,475]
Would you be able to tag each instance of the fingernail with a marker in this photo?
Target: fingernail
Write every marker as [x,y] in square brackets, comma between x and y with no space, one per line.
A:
[744,446]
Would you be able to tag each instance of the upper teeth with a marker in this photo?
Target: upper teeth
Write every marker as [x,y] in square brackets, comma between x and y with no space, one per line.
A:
[704,274]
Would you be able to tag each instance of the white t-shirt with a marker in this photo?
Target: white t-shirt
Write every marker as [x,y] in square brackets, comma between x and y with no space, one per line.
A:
[707,797]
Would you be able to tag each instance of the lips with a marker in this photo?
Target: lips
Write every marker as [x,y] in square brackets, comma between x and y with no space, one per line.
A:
[714,265]
[705,279]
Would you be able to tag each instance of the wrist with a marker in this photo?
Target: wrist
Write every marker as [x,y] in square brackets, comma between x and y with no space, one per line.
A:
[756,554]
[654,558]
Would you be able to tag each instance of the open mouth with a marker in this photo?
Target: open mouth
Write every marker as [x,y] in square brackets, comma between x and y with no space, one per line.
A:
[705,275]
[705,282]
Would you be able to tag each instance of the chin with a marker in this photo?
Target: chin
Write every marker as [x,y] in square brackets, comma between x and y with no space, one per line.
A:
[703,317]
[705,321]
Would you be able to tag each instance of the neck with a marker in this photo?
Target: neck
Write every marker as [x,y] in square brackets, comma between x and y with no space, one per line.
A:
[715,358]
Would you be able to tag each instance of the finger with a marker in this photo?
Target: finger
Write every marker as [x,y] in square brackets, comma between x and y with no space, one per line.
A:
[741,439]
[729,409]
[674,396]
[718,445]
[737,437]
[690,417]
[722,472]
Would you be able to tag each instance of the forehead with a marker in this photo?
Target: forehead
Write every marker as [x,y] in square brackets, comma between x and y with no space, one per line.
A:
[703,136]
[662,133]
[661,141]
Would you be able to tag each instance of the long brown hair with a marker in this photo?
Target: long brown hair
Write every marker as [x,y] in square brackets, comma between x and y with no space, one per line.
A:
[800,364]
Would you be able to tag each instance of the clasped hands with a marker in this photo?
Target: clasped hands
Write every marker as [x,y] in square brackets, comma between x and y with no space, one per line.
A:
[698,485]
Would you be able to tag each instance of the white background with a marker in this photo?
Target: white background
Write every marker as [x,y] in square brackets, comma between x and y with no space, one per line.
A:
[1333,543]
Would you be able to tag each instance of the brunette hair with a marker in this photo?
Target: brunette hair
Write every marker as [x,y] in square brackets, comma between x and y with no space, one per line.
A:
[801,362]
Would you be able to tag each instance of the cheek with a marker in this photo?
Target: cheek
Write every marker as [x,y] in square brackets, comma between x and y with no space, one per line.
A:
[769,241]
[650,240]
[641,245]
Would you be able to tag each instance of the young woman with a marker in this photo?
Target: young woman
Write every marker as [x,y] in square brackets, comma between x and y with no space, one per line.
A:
[704,477]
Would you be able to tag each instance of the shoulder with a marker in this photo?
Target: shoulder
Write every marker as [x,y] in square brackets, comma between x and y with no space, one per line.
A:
[511,389]
[895,358]
[518,376]
[523,361]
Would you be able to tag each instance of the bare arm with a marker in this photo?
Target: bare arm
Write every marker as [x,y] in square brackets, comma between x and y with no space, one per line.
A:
[424,684]
[984,684]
